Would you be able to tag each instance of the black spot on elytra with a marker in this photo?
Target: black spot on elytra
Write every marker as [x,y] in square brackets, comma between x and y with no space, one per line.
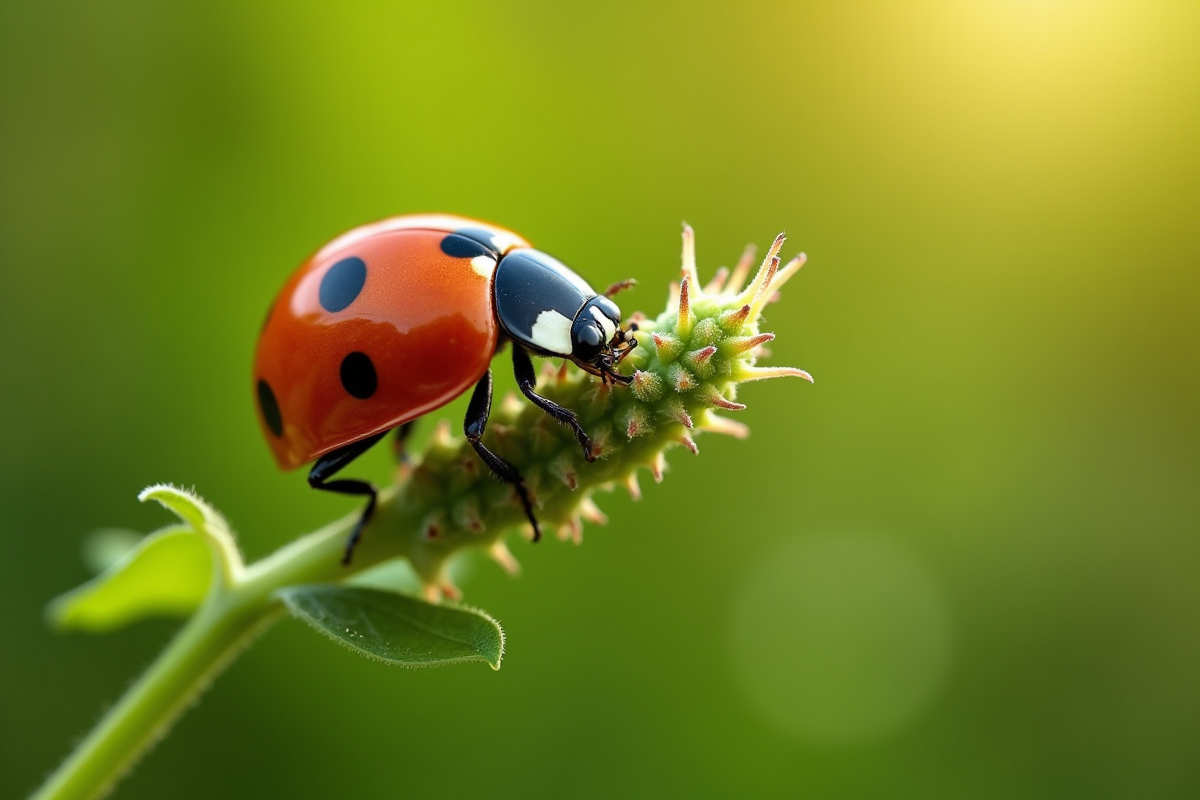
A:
[483,236]
[342,283]
[457,246]
[270,408]
[358,375]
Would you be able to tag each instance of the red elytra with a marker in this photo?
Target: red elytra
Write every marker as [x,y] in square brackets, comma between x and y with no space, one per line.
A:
[424,320]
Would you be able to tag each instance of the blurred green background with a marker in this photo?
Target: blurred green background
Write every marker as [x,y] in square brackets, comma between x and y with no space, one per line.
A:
[965,564]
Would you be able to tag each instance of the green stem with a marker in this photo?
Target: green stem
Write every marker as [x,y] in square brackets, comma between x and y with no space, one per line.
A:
[229,619]
[207,642]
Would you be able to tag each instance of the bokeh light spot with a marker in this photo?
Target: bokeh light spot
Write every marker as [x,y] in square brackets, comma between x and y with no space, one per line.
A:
[840,639]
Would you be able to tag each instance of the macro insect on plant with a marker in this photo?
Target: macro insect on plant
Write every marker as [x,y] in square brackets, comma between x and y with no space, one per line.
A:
[328,352]
[395,319]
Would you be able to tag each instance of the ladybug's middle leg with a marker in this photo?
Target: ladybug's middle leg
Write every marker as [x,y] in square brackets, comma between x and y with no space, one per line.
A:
[400,441]
[527,380]
[330,463]
[474,425]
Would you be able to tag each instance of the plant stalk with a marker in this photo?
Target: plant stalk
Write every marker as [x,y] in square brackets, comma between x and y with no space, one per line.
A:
[229,619]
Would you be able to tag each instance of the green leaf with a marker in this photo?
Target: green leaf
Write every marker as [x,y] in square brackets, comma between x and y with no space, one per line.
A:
[166,574]
[395,628]
[203,519]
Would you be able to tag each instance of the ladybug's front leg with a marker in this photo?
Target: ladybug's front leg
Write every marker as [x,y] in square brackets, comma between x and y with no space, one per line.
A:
[527,380]
[330,463]
[478,411]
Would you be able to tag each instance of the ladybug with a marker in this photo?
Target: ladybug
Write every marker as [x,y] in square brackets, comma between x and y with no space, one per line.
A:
[397,318]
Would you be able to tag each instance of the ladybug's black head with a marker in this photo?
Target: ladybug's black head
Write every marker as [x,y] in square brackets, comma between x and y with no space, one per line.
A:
[598,342]
[543,306]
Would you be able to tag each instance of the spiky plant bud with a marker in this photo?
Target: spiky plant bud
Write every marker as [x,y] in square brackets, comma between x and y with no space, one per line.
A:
[687,366]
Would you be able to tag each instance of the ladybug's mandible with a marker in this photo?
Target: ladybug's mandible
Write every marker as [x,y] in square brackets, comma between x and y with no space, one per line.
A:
[397,318]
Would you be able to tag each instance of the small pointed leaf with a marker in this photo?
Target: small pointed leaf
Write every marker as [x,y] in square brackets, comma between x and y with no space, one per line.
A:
[203,519]
[166,574]
[395,628]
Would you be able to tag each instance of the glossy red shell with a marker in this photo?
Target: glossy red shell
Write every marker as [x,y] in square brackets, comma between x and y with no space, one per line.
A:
[423,318]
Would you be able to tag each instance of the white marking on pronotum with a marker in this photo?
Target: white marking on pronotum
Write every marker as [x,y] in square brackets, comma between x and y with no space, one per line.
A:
[609,327]
[484,265]
[504,241]
[552,332]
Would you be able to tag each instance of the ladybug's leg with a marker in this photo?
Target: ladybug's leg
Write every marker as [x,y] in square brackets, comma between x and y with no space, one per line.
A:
[400,440]
[527,380]
[474,425]
[330,463]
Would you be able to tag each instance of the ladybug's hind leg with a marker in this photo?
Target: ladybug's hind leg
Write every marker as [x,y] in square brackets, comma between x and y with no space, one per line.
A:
[527,380]
[478,411]
[330,463]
